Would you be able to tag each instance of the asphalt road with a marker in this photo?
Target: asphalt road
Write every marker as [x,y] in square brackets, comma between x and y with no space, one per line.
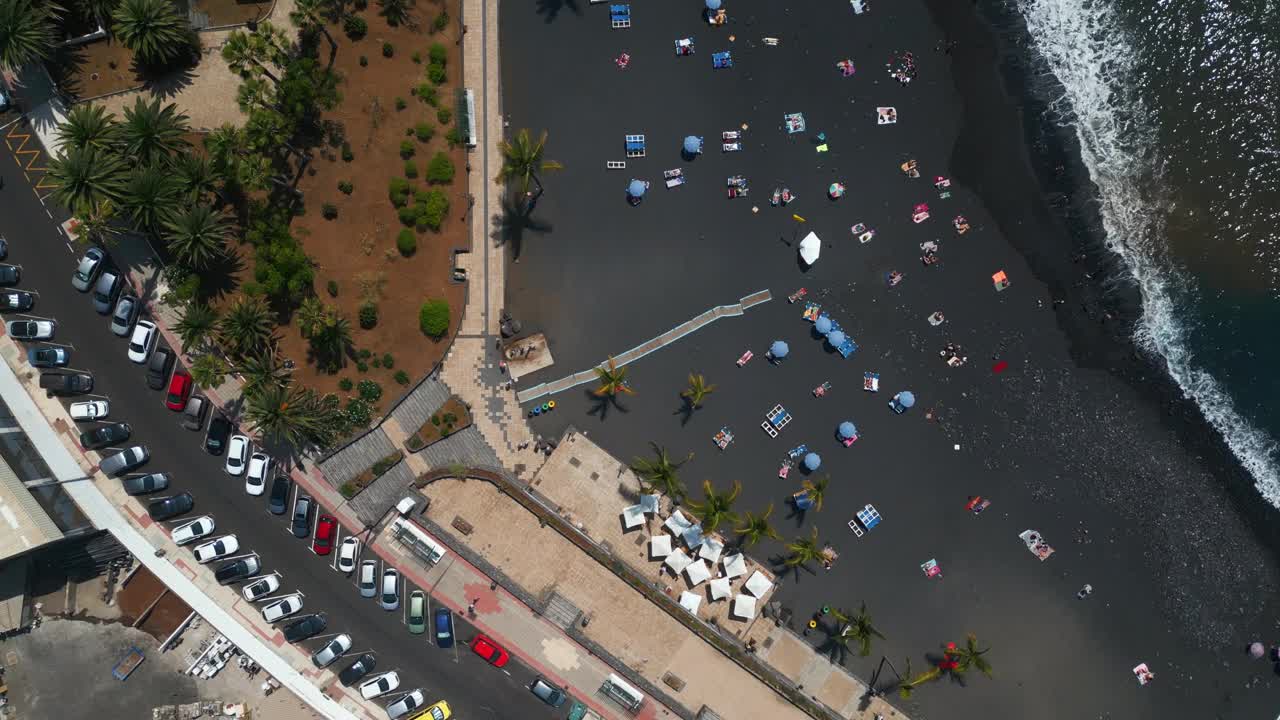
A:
[472,688]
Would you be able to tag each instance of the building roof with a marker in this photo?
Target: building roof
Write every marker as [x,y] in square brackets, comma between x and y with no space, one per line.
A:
[24,525]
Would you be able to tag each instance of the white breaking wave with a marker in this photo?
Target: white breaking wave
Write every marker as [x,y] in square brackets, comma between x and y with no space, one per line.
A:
[1087,51]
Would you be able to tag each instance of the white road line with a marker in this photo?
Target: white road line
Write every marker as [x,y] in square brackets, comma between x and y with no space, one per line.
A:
[11,122]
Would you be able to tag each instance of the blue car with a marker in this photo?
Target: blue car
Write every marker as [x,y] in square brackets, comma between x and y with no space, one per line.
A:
[444,627]
[47,357]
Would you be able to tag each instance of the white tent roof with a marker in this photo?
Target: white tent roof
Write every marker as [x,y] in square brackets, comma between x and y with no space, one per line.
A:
[758,584]
[632,517]
[659,546]
[710,550]
[810,247]
[744,607]
[697,572]
[677,561]
[649,503]
[735,565]
[678,523]
[720,589]
[690,601]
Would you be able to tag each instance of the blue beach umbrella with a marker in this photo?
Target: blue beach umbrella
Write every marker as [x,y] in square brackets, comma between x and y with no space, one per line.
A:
[812,461]
[779,349]
[822,325]
[835,338]
[636,189]
[692,145]
[713,4]
[847,430]
[906,398]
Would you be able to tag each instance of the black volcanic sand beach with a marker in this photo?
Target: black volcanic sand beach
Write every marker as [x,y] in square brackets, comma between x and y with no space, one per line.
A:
[1058,441]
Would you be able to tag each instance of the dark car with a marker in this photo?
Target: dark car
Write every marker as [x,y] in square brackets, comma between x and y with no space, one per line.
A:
[20,300]
[10,274]
[305,627]
[112,434]
[279,498]
[65,383]
[548,693]
[171,506]
[215,443]
[354,672]
[443,618]
[301,516]
[48,357]
[179,391]
[143,484]
[237,570]
[193,414]
[158,368]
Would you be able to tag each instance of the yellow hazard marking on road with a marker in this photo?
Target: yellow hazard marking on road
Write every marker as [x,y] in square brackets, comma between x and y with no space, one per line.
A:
[31,160]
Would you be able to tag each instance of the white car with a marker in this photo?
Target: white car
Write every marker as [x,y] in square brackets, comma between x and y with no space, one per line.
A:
[143,341]
[261,588]
[238,457]
[379,685]
[194,530]
[215,549]
[406,704]
[347,553]
[278,610]
[255,481]
[335,649]
[89,410]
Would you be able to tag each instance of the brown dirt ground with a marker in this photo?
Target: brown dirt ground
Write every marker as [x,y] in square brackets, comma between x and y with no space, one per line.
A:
[85,71]
[137,596]
[361,240]
[230,12]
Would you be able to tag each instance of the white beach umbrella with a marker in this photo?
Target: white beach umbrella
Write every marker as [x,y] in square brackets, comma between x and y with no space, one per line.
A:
[810,247]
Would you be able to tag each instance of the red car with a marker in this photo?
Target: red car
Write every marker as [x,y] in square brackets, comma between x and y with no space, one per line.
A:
[326,526]
[489,650]
[179,391]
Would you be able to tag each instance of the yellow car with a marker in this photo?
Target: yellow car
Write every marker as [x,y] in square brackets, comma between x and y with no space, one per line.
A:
[439,711]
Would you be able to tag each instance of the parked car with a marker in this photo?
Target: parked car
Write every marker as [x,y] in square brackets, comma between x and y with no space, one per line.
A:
[125,461]
[193,530]
[193,414]
[125,314]
[19,300]
[218,548]
[66,383]
[305,627]
[443,621]
[179,391]
[105,436]
[215,441]
[439,711]
[143,342]
[277,610]
[261,588]
[548,693]
[368,579]
[278,500]
[88,268]
[406,704]
[379,685]
[170,507]
[48,357]
[158,368]
[255,479]
[143,484]
[358,668]
[237,457]
[301,525]
[390,597]
[4,243]
[490,651]
[234,571]
[332,650]
[30,329]
[89,410]
[417,612]
[347,553]
[326,528]
[10,274]
[105,291]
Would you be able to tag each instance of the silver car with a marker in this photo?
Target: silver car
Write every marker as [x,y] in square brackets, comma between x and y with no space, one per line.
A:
[143,484]
[104,293]
[390,599]
[125,315]
[333,650]
[125,460]
[88,268]
[368,579]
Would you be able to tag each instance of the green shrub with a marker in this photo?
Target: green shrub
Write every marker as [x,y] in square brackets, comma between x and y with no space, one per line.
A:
[388,49]
[388,362]
[346,152]
[417,58]
[358,412]
[377,363]
[402,377]
[370,391]
[365,354]
[348,490]
[441,22]
[454,136]
[329,211]
[435,420]
[355,27]
[426,92]
[345,384]
[424,131]
[433,318]
[401,104]
[421,196]
[438,53]
[408,216]
[345,187]
[332,287]
[436,73]
[364,61]
[441,169]
[369,315]
[410,169]
[406,149]
[444,115]
[432,213]
[399,190]
[407,242]
[362,366]
[450,418]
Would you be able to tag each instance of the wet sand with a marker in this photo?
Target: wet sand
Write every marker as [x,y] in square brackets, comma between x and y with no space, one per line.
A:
[1077,435]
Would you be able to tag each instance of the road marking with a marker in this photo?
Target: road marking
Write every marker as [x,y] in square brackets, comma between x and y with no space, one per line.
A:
[20,118]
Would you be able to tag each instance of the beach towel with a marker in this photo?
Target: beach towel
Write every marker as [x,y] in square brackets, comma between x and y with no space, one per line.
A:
[1036,544]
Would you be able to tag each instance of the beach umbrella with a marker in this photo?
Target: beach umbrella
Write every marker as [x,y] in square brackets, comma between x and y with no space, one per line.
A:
[812,461]
[847,430]
[692,144]
[713,4]
[779,349]
[822,325]
[906,398]
[636,188]
[835,190]
[1256,651]
[810,247]
[836,338]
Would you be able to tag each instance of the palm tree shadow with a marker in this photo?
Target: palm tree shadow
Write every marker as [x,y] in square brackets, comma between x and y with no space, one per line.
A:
[602,404]
[551,8]
[835,651]
[797,513]
[685,411]
[780,567]
[511,224]
[220,279]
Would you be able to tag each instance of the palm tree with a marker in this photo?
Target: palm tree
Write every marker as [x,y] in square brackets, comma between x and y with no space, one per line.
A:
[197,235]
[803,550]
[151,196]
[262,370]
[84,178]
[755,528]
[522,161]
[969,657]
[613,380]
[209,370]
[98,225]
[332,338]
[310,316]
[292,414]
[311,15]
[659,474]
[152,29]
[27,32]
[698,390]
[856,628]
[89,126]
[196,174]
[817,490]
[395,11]
[151,130]
[716,507]
[197,326]
[248,326]
[250,53]
[907,684]
[98,11]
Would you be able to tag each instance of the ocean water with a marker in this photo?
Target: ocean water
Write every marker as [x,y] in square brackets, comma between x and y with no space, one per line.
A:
[1176,107]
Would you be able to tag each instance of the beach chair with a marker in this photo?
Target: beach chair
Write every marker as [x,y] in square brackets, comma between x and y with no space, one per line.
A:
[635,145]
[1144,674]
[886,116]
[811,311]
[797,452]
[869,517]
[674,178]
[794,123]
[797,295]
[920,213]
[723,438]
[847,348]
[871,382]
[734,146]
[779,417]
[909,169]
[931,568]
[620,15]
[862,232]
[737,185]
[770,41]
[746,357]
[684,46]
[785,469]
[859,6]
[943,186]
[822,390]
[722,60]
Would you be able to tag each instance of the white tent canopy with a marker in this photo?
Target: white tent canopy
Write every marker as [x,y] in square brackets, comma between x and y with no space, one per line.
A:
[710,550]
[659,546]
[690,601]
[677,561]
[735,565]
[698,572]
[810,247]
[720,589]
[758,584]
[678,523]
[744,607]
[632,517]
